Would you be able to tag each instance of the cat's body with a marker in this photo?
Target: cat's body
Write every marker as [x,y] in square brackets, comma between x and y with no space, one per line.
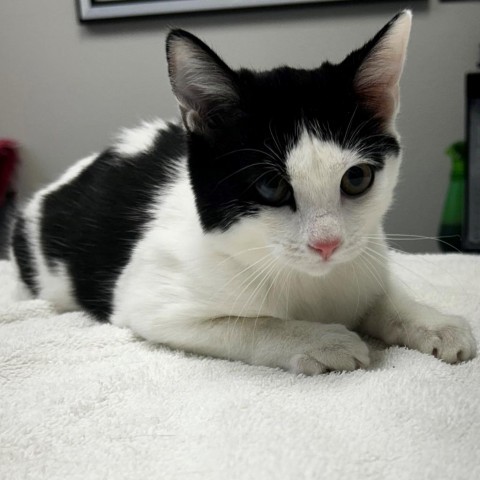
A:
[252,233]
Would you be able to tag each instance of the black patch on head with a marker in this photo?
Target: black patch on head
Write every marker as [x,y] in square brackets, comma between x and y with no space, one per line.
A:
[92,223]
[242,124]
[254,139]
[23,256]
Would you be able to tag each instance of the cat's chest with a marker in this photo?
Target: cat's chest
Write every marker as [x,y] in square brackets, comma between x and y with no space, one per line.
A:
[343,296]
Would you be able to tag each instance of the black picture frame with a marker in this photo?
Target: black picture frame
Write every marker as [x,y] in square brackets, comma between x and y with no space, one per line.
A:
[92,10]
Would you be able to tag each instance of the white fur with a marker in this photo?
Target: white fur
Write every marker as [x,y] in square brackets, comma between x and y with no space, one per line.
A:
[135,140]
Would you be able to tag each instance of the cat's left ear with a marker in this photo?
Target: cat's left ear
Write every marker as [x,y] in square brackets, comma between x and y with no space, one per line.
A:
[204,85]
[378,67]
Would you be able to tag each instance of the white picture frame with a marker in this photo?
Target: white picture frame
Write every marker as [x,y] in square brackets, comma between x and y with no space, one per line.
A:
[89,10]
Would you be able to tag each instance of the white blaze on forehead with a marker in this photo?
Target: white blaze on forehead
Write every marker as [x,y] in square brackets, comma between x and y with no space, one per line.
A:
[316,167]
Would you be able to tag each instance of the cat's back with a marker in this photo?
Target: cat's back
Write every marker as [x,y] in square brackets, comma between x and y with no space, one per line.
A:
[75,236]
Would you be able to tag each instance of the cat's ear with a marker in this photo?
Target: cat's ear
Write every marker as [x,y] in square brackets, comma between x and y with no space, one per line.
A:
[378,67]
[204,85]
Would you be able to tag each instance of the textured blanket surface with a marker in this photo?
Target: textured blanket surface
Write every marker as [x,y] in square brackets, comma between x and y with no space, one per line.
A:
[81,400]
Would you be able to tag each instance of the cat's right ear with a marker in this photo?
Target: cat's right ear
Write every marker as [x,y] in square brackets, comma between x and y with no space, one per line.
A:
[204,85]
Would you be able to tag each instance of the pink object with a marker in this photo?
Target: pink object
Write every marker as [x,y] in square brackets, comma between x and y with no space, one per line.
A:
[8,162]
[326,248]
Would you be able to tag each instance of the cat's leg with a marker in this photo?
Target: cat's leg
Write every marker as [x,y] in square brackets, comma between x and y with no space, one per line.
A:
[298,346]
[398,319]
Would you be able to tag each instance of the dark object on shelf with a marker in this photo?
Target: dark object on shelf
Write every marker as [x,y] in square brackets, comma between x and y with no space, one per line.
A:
[452,217]
[7,214]
[471,231]
[8,164]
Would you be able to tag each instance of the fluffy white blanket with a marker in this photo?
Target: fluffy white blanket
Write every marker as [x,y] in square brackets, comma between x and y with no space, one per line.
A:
[81,400]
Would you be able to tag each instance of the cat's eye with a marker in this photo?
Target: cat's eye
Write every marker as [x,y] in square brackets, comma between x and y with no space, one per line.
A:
[275,190]
[357,180]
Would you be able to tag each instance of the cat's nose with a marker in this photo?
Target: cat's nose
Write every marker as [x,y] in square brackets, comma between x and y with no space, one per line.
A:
[325,248]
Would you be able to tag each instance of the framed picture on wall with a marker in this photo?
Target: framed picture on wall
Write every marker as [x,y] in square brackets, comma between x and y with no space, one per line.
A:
[471,228]
[102,9]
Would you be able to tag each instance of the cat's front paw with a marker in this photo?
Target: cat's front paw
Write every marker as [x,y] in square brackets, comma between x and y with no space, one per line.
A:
[330,348]
[450,340]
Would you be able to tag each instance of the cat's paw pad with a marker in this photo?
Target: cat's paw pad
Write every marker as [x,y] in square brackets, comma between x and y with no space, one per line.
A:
[336,352]
[451,342]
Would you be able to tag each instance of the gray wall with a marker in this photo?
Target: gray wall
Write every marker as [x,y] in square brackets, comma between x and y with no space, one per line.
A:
[66,88]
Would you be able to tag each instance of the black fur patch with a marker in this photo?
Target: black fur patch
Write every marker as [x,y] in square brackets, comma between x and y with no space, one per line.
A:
[23,256]
[257,135]
[243,123]
[92,223]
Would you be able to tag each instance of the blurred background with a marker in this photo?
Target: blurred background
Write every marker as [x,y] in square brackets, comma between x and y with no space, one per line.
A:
[66,88]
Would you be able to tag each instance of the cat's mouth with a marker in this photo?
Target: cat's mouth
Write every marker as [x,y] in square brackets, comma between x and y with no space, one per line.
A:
[318,261]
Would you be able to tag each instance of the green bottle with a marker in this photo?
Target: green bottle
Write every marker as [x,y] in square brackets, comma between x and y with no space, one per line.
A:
[452,217]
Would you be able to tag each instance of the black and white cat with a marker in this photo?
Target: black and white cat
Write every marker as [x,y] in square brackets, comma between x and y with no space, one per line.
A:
[249,230]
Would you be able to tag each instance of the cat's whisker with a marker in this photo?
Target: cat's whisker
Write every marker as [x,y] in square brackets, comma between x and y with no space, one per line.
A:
[349,125]
[258,178]
[379,256]
[389,247]
[253,276]
[264,166]
[238,274]
[354,136]
[266,273]
[250,279]
[272,283]
[358,287]
[270,149]
[408,237]
[389,259]
[246,250]
[271,160]
[270,129]
[364,147]
[277,144]
[288,287]
[385,291]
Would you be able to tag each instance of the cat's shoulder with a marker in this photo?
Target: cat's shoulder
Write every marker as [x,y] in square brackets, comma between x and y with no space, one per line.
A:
[152,149]
[149,136]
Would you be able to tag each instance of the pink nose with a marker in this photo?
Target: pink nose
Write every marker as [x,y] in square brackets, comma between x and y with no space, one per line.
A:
[325,248]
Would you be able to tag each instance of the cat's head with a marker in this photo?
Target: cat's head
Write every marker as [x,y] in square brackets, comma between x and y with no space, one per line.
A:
[297,164]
